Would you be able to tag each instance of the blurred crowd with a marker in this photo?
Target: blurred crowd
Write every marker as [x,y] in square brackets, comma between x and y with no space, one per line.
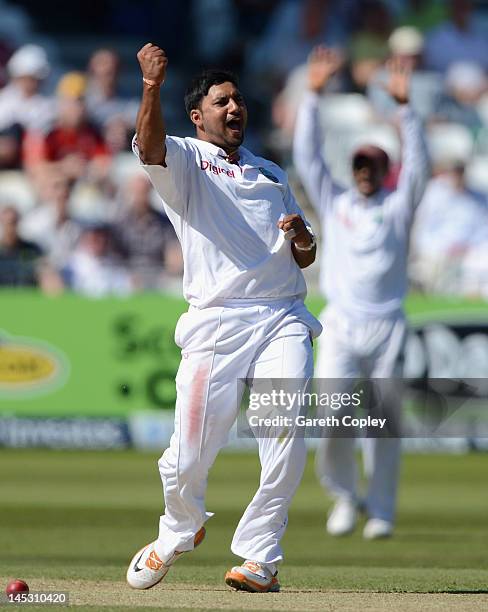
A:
[77,213]
[76,210]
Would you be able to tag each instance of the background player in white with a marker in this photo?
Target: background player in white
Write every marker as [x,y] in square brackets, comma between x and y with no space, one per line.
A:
[364,278]
[244,241]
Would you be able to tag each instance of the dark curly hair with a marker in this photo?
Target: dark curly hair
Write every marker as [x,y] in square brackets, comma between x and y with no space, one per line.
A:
[200,85]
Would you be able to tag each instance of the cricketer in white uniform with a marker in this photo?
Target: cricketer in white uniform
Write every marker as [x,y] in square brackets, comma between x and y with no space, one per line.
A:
[244,240]
[364,279]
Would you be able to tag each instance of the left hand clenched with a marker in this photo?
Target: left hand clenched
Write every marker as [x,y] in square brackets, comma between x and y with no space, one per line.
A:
[295,230]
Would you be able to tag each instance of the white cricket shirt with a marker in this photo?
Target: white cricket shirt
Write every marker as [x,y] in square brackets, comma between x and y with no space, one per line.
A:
[364,240]
[225,216]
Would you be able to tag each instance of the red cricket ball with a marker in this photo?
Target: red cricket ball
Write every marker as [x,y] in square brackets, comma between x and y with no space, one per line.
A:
[17,586]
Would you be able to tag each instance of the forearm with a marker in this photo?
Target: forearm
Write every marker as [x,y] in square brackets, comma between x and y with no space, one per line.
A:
[151,132]
[412,134]
[307,141]
[415,158]
[304,258]
[307,153]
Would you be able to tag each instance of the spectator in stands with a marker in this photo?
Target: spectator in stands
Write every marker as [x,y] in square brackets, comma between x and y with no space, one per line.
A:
[423,14]
[451,221]
[18,258]
[145,237]
[214,39]
[5,53]
[111,112]
[458,39]
[465,84]
[474,270]
[252,19]
[50,224]
[117,135]
[293,30]
[22,105]
[74,146]
[407,43]
[94,269]
[21,101]
[104,101]
[368,47]
[11,147]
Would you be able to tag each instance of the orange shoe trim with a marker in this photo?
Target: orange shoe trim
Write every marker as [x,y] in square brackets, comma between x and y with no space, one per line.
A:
[237,576]
[138,553]
[153,562]
[199,536]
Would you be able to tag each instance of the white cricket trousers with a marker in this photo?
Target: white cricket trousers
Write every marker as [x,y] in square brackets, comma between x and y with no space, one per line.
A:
[221,345]
[352,348]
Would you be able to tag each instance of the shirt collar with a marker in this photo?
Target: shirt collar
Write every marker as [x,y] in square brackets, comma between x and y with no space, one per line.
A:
[359,198]
[218,151]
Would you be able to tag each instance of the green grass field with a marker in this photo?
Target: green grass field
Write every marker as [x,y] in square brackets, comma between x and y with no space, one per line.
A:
[71,521]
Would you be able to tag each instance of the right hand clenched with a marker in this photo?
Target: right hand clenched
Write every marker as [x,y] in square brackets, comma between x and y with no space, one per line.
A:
[153,63]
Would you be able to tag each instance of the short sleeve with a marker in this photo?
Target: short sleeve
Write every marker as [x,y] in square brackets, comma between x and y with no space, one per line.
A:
[170,181]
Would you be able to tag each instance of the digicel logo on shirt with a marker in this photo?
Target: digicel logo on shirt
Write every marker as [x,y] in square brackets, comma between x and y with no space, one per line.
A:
[206,165]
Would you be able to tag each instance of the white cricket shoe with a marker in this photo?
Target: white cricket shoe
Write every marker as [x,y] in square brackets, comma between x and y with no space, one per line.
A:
[376,529]
[146,568]
[253,577]
[342,520]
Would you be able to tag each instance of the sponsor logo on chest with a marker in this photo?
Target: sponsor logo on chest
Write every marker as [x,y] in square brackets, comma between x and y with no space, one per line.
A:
[217,170]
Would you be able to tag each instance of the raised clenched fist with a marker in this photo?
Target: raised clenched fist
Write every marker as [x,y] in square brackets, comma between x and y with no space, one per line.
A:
[153,63]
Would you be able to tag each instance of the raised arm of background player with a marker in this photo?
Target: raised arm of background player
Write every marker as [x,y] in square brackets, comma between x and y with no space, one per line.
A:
[150,129]
[415,170]
[308,138]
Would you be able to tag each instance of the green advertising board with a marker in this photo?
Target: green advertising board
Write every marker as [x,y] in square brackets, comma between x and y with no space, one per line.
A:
[70,356]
